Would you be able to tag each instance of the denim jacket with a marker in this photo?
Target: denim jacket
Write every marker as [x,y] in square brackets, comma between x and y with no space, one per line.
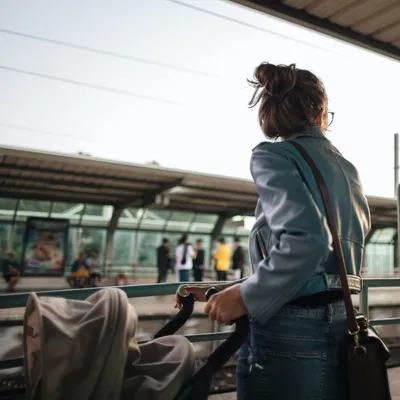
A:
[297,257]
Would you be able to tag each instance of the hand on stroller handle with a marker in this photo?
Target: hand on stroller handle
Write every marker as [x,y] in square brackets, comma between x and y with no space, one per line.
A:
[197,388]
[198,290]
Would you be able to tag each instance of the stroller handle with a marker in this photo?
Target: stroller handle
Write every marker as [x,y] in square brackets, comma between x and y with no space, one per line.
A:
[198,386]
[180,319]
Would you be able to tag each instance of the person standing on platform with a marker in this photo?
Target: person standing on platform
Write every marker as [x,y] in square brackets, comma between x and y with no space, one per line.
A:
[163,261]
[184,255]
[79,272]
[198,262]
[94,268]
[11,270]
[222,259]
[238,259]
[297,346]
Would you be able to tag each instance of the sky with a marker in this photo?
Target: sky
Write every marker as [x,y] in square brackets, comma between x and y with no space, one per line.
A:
[166,81]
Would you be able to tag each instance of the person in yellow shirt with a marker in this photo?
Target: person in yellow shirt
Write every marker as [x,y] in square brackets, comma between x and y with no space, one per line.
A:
[79,272]
[222,259]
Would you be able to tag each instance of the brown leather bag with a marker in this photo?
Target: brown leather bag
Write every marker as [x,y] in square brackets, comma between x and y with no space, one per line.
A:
[366,352]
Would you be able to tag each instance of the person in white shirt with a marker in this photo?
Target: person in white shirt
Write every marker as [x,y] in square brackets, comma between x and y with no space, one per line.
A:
[184,255]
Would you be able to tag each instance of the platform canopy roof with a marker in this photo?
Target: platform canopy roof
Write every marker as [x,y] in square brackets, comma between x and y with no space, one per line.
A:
[38,175]
[27,174]
[372,24]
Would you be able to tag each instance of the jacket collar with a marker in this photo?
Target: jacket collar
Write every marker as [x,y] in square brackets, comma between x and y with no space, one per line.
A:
[312,132]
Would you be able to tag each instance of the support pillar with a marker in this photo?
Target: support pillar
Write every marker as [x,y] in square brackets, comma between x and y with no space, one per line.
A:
[110,238]
[12,228]
[79,231]
[51,208]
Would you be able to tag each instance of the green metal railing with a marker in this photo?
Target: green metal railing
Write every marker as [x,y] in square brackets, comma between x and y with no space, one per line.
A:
[8,301]
[364,298]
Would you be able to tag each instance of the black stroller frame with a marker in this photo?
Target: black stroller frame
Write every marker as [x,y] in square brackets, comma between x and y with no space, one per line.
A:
[197,387]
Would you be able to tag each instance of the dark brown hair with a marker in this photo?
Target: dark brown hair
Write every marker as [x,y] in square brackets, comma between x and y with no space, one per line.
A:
[290,98]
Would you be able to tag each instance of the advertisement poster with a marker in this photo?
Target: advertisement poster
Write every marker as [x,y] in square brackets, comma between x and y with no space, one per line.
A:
[45,247]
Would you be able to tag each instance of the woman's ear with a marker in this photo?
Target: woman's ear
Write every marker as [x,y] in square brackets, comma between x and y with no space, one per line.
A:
[321,120]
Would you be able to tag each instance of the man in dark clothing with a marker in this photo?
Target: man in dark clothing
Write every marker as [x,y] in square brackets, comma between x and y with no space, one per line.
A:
[163,261]
[198,262]
[10,269]
[238,259]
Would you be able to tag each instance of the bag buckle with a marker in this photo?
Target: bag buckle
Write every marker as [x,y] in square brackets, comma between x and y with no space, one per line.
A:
[358,349]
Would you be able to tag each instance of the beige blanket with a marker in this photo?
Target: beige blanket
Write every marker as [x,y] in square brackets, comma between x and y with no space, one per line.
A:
[81,350]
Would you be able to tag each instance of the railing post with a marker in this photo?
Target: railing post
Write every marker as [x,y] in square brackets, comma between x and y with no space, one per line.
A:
[397,249]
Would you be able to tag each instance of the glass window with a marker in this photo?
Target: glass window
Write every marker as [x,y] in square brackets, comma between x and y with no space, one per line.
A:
[204,223]
[148,243]
[153,219]
[93,239]
[123,246]
[97,215]
[95,209]
[379,260]
[129,218]
[7,207]
[33,208]
[4,236]
[60,207]
[180,221]
[384,235]
[70,211]
[242,231]
[228,229]
[18,240]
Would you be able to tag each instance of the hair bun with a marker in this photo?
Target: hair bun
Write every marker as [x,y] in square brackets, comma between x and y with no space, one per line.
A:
[277,80]
[291,99]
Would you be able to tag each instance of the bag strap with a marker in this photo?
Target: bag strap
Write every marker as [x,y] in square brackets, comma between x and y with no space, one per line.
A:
[351,318]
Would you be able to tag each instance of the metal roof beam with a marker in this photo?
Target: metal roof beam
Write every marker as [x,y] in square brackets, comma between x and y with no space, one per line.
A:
[302,17]
[81,174]
[149,198]
[31,194]
[72,190]
[218,198]
[63,182]
[212,189]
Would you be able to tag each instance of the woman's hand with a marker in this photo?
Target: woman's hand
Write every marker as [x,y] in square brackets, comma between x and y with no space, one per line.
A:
[199,291]
[226,306]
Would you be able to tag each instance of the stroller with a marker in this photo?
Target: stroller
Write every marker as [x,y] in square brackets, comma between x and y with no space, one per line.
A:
[198,386]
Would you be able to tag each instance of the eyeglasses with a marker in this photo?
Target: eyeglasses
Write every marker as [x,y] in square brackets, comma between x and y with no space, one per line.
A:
[331,116]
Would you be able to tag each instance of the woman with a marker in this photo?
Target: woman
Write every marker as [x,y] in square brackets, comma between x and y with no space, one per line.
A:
[295,349]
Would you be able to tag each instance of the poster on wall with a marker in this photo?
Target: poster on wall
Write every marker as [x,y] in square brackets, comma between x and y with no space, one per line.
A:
[45,247]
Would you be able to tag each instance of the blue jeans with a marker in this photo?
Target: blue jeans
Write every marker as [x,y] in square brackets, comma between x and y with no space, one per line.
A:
[184,275]
[298,354]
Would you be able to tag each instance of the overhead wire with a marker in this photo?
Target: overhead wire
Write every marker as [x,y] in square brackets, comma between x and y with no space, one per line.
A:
[47,132]
[111,53]
[249,25]
[92,86]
